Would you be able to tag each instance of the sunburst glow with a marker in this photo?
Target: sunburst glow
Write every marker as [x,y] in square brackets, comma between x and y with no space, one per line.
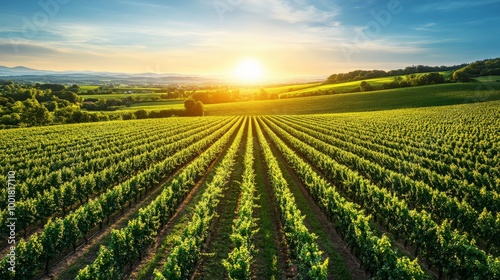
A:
[250,70]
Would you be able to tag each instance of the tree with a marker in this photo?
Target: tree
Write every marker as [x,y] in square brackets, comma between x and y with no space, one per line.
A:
[365,86]
[128,116]
[74,88]
[461,76]
[141,114]
[50,105]
[194,108]
[12,119]
[435,78]
[34,113]
[199,109]
[263,95]
[189,105]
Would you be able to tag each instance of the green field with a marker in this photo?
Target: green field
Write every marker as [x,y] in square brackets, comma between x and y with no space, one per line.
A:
[85,88]
[435,95]
[277,89]
[487,79]
[411,97]
[120,95]
[350,86]
[156,105]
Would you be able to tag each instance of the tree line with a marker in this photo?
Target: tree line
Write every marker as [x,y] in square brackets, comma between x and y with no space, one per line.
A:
[24,105]
[359,75]
[487,67]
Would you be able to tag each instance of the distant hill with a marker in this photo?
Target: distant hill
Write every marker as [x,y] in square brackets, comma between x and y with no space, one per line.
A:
[20,71]
[359,75]
[487,67]
[25,74]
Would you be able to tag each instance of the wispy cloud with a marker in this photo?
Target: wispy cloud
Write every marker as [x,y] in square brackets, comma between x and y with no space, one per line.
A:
[453,5]
[425,27]
[483,21]
[27,49]
[295,11]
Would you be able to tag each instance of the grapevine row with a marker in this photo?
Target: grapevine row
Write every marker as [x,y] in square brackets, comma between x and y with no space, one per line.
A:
[59,234]
[62,154]
[58,200]
[187,249]
[85,169]
[423,131]
[448,250]
[478,177]
[62,164]
[375,253]
[300,240]
[239,260]
[461,214]
[478,198]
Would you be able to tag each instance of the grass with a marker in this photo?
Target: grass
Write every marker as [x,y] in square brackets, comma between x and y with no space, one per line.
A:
[412,97]
[343,87]
[139,88]
[87,88]
[349,86]
[277,89]
[155,105]
[120,95]
[487,79]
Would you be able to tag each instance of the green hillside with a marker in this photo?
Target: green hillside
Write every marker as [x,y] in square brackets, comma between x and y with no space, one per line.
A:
[376,83]
[435,95]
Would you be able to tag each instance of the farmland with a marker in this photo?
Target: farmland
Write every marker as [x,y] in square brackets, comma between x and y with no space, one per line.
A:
[411,97]
[409,193]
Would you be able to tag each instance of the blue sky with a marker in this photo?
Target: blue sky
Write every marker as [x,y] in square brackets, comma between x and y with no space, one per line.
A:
[289,37]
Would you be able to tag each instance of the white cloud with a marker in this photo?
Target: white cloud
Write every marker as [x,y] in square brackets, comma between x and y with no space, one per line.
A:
[453,5]
[425,27]
[293,11]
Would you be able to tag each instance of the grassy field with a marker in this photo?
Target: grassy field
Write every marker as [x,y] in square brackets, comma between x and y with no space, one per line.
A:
[278,89]
[120,95]
[349,86]
[486,79]
[87,88]
[412,97]
[342,87]
[384,99]
[436,95]
[243,90]
[156,105]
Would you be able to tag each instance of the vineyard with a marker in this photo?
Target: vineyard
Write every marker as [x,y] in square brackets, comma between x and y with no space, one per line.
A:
[401,194]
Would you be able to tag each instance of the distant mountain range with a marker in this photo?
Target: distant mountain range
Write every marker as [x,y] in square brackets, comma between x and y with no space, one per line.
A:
[25,74]
[29,75]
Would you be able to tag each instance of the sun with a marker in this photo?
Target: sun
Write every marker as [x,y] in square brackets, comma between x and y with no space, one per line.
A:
[249,70]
